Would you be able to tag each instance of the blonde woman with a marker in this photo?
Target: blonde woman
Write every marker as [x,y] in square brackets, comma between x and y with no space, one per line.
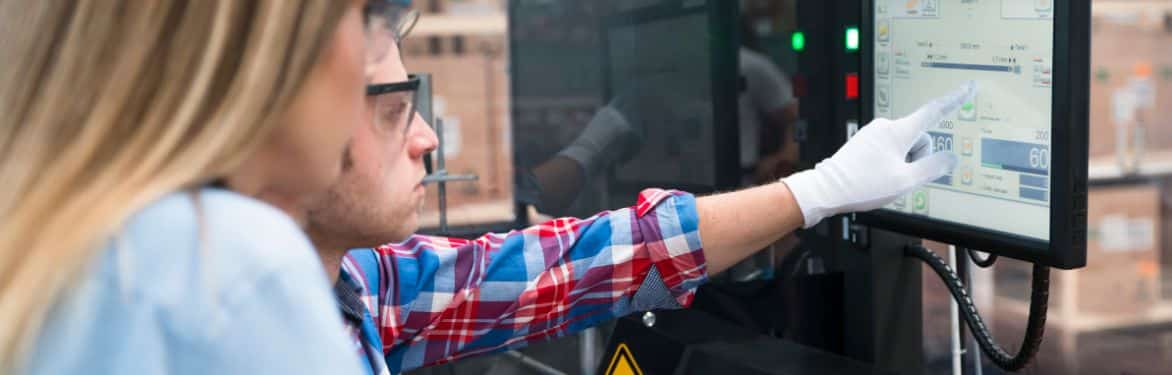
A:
[155,157]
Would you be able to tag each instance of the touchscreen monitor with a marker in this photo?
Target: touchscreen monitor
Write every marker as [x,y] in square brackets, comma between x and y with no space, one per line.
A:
[1021,140]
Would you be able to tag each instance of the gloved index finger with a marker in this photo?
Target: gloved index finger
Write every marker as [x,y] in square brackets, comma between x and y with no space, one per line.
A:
[935,111]
[921,148]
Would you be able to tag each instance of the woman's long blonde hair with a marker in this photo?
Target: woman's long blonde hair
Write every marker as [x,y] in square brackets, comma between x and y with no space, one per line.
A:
[106,105]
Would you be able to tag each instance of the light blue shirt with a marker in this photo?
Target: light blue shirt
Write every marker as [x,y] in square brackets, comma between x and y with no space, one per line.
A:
[233,287]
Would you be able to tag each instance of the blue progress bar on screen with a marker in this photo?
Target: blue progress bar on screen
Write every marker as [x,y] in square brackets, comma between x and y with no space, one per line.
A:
[1040,182]
[1035,194]
[1014,156]
[960,66]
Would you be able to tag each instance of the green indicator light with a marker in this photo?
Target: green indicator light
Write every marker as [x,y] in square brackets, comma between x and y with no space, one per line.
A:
[798,41]
[852,39]
[967,107]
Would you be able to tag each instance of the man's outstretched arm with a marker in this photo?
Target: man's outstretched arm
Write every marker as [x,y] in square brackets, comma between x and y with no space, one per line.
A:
[439,299]
[736,225]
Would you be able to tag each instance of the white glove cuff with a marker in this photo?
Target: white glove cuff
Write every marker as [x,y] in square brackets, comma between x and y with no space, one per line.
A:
[581,154]
[806,187]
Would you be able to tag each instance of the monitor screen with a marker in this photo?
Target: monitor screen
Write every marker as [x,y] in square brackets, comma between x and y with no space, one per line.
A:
[926,48]
[658,65]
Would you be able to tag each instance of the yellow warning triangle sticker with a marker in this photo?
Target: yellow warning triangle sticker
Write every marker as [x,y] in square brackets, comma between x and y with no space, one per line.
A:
[623,363]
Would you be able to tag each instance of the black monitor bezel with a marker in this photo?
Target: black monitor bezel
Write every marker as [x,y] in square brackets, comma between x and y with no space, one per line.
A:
[1069,127]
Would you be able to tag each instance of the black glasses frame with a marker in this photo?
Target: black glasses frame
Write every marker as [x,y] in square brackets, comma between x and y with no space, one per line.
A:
[411,84]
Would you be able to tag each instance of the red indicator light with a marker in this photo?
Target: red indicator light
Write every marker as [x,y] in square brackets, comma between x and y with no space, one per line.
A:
[852,86]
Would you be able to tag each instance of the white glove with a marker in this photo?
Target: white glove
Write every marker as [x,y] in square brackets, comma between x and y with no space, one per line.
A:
[607,139]
[885,160]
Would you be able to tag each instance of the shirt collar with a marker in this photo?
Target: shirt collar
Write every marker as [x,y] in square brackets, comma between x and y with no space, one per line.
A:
[349,301]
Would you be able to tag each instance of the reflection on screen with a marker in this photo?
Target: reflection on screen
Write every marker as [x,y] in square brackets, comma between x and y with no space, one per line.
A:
[662,67]
[926,48]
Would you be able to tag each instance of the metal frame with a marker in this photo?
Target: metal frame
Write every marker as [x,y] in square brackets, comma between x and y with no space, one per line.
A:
[1068,187]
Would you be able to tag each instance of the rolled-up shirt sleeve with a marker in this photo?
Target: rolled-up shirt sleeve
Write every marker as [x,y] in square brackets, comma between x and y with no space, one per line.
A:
[440,299]
[669,229]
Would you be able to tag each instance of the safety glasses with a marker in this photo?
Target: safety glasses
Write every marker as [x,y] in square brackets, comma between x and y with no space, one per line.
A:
[394,104]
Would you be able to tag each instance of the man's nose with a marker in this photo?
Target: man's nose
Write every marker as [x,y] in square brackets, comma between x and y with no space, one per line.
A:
[423,138]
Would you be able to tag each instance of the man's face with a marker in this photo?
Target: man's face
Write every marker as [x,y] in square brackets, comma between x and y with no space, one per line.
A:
[380,194]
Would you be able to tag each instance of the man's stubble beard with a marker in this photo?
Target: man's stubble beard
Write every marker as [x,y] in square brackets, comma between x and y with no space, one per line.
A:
[336,217]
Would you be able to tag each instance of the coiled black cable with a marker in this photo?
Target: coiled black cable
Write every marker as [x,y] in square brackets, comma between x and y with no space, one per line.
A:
[983,263]
[1035,327]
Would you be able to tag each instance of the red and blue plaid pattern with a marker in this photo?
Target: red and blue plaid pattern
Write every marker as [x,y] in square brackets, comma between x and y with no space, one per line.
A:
[431,300]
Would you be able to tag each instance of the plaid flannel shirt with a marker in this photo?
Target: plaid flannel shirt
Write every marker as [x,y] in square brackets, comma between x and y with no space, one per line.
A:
[432,300]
